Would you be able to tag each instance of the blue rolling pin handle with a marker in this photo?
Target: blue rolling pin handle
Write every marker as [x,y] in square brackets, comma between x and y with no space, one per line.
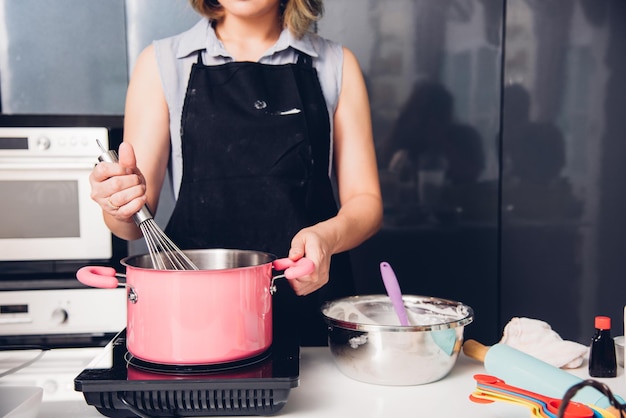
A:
[527,372]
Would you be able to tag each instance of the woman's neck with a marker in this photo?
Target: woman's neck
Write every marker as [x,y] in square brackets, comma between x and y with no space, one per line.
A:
[247,40]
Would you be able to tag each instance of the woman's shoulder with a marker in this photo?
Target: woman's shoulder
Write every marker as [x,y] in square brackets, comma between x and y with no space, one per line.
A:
[328,55]
[185,43]
[175,56]
[324,47]
[328,61]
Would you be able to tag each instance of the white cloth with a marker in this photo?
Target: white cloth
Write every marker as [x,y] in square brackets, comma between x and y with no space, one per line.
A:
[538,339]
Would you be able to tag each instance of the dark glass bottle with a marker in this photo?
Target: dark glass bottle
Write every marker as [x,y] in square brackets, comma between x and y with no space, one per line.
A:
[602,361]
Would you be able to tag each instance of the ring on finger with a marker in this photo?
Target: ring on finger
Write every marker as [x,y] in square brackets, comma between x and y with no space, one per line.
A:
[114,207]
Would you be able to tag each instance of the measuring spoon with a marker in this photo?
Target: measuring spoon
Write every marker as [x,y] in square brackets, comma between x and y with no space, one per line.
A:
[485,396]
[537,408]
[573,410]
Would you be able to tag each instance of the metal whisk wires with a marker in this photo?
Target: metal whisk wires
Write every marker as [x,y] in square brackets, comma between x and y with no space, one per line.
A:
[164,254]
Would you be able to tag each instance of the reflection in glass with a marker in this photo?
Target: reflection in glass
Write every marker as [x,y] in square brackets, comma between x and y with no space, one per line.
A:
[433,73]
[39,209]
[62,57]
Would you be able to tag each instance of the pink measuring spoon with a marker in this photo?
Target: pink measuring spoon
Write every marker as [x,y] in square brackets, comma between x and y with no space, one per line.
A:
[393,290]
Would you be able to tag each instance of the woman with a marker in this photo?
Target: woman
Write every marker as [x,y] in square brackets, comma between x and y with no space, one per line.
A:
[236,106]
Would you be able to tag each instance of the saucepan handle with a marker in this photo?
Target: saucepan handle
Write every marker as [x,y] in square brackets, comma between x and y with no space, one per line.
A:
[294,269]
[291,269]
[98,276]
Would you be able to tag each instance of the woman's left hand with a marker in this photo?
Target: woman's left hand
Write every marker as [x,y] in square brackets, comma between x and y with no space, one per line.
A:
[312,244]
[360,201]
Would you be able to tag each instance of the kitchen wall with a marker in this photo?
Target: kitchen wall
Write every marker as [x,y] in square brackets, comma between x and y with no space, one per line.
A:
[75,56]
[499,126]
[62,56]
[72,57]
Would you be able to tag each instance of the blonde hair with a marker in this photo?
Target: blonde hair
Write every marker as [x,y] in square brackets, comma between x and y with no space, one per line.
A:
[297,15]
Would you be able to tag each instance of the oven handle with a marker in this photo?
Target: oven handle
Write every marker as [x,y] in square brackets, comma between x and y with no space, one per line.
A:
[46,164]
[100,277]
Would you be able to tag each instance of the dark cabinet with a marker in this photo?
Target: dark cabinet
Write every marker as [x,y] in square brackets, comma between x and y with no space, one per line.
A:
[500,129]
[562,261]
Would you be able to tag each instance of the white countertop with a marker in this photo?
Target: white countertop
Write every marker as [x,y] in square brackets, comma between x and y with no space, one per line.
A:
[323,391]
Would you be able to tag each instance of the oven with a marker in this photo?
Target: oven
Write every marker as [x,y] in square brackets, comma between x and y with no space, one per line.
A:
[50,227]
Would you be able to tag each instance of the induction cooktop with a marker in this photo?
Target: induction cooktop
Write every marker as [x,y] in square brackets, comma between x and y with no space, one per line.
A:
[121,386]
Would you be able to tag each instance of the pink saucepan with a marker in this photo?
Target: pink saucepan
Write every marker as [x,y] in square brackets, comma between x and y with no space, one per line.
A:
[218,314]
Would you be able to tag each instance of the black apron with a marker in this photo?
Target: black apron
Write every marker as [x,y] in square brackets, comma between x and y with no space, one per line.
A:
[255,145]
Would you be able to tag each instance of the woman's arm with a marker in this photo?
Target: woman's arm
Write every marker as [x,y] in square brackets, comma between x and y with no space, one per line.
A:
[143,156]
[360,214]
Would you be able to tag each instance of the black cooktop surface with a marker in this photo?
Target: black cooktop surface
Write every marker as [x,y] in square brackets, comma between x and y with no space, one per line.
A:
[122,386]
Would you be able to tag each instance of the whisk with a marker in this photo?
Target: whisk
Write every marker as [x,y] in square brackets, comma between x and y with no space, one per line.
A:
[164,254]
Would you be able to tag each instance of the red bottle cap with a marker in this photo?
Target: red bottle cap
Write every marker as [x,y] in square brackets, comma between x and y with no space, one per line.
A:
[603,322]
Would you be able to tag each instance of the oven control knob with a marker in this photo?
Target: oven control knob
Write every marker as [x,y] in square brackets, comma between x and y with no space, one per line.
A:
[59,316]
[50,387]
[43,143]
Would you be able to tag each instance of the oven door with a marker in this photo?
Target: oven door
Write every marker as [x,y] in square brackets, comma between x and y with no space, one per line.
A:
[47,212]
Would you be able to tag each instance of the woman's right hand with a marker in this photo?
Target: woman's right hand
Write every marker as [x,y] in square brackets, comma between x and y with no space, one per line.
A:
[119,188]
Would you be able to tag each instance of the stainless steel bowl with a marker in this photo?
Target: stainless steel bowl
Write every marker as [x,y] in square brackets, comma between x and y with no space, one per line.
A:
[369,344]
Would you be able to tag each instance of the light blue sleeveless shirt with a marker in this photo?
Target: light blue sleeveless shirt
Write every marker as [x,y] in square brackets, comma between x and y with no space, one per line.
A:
[175,56]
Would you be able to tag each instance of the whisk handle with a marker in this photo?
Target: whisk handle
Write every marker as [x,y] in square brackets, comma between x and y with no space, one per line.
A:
[110,156]
[143,215]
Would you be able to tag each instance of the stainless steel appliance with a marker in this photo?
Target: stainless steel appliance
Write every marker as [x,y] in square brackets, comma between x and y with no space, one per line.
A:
[49,227]
[46,210]
[81,69]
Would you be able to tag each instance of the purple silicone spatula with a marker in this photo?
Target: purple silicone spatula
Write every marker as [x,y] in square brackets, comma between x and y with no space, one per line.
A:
[393,290]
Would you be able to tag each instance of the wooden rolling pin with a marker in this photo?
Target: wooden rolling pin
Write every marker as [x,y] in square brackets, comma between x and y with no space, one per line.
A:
[519,369]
